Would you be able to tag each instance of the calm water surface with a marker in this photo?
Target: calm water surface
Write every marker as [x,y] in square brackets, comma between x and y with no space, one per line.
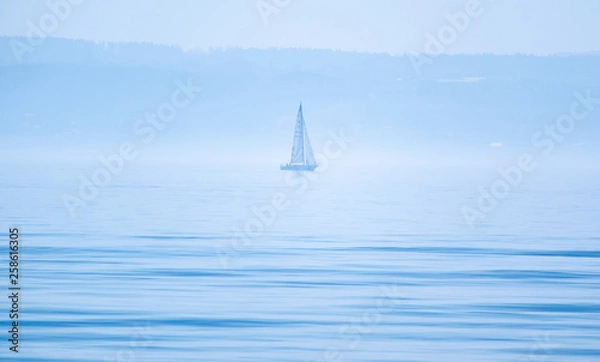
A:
[362,266]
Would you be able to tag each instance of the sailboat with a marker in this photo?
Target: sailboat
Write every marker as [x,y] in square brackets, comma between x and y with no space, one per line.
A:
[303,158]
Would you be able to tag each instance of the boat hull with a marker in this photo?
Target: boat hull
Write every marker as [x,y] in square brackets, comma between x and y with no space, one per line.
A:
[290,167]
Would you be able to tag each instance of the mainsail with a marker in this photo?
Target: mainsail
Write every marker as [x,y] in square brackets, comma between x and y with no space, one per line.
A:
[302,158]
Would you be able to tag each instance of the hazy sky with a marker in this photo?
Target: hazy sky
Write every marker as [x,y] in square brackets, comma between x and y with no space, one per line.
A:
[394,26]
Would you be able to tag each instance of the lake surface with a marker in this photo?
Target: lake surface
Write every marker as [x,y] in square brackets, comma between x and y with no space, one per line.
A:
[367,265]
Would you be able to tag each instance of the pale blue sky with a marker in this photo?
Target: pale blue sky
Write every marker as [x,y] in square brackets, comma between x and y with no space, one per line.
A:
[393,26]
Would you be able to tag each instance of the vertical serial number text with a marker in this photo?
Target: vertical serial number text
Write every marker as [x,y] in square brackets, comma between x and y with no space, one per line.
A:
[13,289]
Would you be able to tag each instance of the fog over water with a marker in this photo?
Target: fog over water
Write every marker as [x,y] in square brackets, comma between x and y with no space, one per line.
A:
[453,215]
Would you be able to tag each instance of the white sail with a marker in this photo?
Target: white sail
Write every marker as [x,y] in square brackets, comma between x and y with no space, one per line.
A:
[302,158]
[308,152]
[298,146]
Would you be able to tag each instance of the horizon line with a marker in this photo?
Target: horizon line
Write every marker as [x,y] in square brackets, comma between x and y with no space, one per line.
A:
[270,48]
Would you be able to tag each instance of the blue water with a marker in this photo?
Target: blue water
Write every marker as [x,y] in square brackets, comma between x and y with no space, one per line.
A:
[368,265]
